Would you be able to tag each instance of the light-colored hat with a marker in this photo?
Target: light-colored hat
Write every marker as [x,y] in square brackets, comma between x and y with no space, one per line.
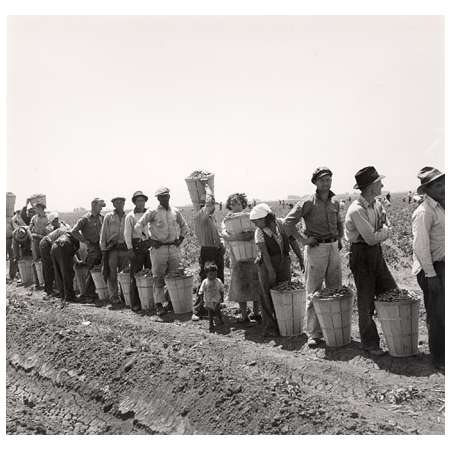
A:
[426,176]
[162,191]
[260,211]
[52,216]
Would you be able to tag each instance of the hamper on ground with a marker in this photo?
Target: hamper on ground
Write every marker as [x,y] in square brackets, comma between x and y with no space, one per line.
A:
[180,291]
[81,272]
[26,270]
[10,203]
[39,272]
[144,284]
[124,282]
[100,285]
[334,311]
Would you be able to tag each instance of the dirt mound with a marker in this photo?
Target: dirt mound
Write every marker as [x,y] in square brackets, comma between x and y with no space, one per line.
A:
[91,370]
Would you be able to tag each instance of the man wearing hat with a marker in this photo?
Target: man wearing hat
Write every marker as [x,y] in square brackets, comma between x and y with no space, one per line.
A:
[366,227]
[322,241]
[168,229]
[87,230]
[114,249]
[38,229]
[428,227]
[211,243]
[138,245]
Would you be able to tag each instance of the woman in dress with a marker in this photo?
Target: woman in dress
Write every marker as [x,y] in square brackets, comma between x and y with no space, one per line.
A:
[244,286]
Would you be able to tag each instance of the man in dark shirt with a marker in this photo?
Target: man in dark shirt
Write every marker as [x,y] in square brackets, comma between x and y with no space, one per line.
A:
[87,230]
[322,240]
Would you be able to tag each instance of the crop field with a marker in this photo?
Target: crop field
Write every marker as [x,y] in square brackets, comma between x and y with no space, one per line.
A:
[91,370]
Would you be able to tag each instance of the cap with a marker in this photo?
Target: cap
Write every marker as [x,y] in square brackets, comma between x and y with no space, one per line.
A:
[162,191]
[117,198]
[320,172]
[260,211]
[98,201]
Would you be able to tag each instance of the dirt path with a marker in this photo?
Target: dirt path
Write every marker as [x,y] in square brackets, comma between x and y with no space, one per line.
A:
[91,370]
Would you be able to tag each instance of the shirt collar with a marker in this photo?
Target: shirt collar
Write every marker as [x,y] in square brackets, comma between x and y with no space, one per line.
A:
[330,195]
[365,203]
[135,212]
[431,201]
[116,213]
[161,207]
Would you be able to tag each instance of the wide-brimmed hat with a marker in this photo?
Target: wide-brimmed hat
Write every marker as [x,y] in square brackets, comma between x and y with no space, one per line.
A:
[320,172]
[426,176]
[366,176]
[162,191]
[260,211]
[98,201]
[138,194]
[20,234]
[117,198]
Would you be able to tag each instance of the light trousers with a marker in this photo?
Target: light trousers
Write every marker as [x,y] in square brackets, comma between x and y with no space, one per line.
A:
[165,261]
[322,264]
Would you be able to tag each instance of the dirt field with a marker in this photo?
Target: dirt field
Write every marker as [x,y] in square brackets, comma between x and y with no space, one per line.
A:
[89,370]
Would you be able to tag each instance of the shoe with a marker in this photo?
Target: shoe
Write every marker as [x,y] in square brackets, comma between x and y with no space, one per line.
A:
[136,309]
[195,318]
[314,342]
[160,311]
[376,351]
[242,320]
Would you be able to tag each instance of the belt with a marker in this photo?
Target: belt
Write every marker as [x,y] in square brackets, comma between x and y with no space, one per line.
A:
[325,241]
[162,243]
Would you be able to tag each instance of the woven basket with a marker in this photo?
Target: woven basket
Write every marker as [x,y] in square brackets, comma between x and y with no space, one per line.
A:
[97,277]
[10,203]
[400,324]
[102,293]
[81,273]
[144,286]
[180,291]
[197,190]
[39,272]
[243,250]
[26,271]
[289,310]
[38,198]
[238,223]
[125,284]
[335,319]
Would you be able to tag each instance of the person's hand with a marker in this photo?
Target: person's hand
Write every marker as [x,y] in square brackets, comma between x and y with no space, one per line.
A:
[340,244]
[434,284]
[311,241]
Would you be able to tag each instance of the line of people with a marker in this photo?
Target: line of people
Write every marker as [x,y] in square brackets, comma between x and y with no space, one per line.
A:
[151,238]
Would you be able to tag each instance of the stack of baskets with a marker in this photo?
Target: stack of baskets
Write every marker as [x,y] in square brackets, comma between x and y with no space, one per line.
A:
[10,203]
[38,198]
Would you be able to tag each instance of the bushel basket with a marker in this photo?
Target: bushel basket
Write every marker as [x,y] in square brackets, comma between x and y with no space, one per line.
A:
[180,291]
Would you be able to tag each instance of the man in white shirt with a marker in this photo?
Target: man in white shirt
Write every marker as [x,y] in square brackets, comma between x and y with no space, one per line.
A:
[365,227]
[138,245]
[428,227]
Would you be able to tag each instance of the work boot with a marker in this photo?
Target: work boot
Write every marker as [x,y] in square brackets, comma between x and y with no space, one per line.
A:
[160,311]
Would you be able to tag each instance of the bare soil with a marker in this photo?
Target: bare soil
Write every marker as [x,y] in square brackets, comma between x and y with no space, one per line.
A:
[90,370]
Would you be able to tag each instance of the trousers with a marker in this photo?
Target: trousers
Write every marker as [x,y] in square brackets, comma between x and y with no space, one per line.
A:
[62,258]
[372,277]
[435,309]
[117,261]
[93,258]
[45,247]
[322,264]
[12,259]
[35,248]
[165,261]
[139,261]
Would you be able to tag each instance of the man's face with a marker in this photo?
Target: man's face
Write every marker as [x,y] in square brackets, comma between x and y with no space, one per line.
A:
[55,223]
[324,183]
[377,187]
[436,189]
[210,208]
[119,204]
[31,212]
[97,208]
[40,210]
[164,200]
[140,203]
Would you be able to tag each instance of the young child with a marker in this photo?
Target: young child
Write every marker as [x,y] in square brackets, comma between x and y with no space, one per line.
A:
[211,294]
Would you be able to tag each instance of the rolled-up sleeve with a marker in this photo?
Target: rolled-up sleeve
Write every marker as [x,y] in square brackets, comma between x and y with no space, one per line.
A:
[144,221]
[78,228]
[421,227]
[104,232]
[366,230]
[128,231]
[293,218]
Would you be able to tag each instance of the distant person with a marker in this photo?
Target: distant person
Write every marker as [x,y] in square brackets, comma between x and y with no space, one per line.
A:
[27,213]
[114,249]
[410,195]
[366,226]
[168,229]
[428,227]
[87,230]
[220,206]
[322,241]
[138,245]
[388,197]
[38,229]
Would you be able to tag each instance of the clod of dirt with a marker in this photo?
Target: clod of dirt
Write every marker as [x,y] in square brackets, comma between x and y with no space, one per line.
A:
[130,350]
[129,363]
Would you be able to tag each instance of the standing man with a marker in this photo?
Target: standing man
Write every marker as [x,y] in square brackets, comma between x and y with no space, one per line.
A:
[87,230]
[322,240]
[138,245]
[168,229]
[62,253]
[366,227]
[9,248]
[211,244]
[114,249]
[38,229]
[428,229]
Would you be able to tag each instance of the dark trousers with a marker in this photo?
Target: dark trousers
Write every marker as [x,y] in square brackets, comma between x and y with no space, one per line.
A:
[208,254]
[139,261]
[372,277]
[12,260]
[62,258]
[93,258]
[214,313]
[435,308]
[45,247]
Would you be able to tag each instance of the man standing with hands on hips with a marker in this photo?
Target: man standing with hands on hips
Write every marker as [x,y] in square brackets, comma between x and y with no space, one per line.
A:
[366,226]
[428,229]
[323,241]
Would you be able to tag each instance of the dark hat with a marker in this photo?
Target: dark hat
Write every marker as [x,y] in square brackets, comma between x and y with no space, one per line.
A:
[20,234]
[320,172]
[162,191]
[426,176]
[138,194]
[366,176]
[117,198]
[98,201]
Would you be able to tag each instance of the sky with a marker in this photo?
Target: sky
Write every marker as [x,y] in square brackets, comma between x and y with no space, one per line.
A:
[107,105]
